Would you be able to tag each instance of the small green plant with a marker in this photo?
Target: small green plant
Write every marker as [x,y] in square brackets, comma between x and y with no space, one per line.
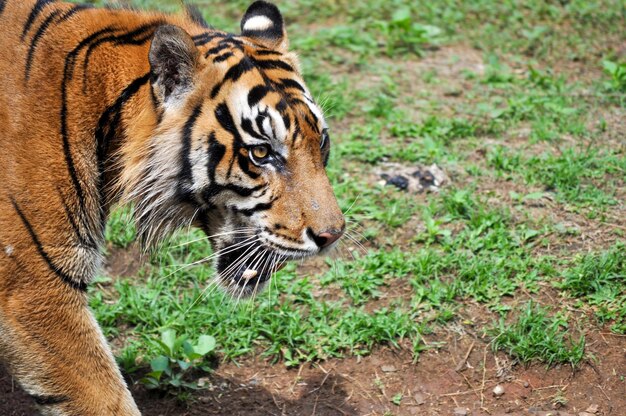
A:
[404,35]
[617,72]
[178,357]
[397,399]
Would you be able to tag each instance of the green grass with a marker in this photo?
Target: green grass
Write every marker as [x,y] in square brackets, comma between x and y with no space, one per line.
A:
[535,335]
[523,115]
[598,280]
[120,231]
[579,176]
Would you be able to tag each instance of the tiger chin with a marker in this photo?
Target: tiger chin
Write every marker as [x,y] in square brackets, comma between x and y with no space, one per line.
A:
[190,125]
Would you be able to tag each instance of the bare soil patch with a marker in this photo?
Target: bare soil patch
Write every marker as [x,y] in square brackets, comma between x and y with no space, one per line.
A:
[443,380]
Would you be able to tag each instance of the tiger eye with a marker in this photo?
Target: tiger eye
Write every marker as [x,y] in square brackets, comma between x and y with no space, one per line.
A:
[260,152]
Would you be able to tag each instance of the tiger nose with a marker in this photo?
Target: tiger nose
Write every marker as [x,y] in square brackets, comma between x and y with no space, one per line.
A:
[325,238]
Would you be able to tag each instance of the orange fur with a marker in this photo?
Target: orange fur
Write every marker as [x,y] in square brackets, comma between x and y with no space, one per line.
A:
[83,124]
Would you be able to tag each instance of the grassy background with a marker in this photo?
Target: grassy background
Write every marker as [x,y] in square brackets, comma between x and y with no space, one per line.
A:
[530,232]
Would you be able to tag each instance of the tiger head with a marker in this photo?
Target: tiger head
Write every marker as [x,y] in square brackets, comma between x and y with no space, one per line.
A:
[240,149]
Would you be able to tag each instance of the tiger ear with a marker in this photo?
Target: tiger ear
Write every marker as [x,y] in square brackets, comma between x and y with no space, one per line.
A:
[173,62]
[264,24]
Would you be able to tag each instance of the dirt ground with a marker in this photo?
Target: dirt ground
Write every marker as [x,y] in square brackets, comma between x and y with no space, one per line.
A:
[444,381]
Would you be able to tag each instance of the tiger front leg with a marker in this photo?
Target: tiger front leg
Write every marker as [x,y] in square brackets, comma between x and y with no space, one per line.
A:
[56,351]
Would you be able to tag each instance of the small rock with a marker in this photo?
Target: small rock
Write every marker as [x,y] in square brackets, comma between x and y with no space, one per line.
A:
[461,411]
[526,384]
[204,382]
[454,92]
[399,182]
[419,398]
[593,409]
[585,414]
[388,368]
[498,390]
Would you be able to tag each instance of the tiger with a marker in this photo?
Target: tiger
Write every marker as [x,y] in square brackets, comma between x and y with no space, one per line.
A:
[189,125]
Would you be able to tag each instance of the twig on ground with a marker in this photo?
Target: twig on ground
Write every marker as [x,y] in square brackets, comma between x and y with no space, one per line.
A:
[554,386]
[603,392]
[461,363]
[321,385]
[460,393]
[482,386]
[295,382]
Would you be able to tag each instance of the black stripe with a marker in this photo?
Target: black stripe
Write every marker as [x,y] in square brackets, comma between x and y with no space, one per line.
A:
[137,36]
[204,38]
[219,48]
[246,125]
[37,8]
[223,116]
[244,164]
[107,131]
[86,240]
[241,191]
[215,189]
[281,106]
[295,100]
[273,64]
[45,26]
[311,123]
[259,124]
[2,4]
[75,9]
[48,400]
[287,121]
[234,73]
[42,252]
[185,171]
[67,76]
[257,208]
[291,83]
[297,131]
[200,36]
[256,94]
[232,41]
[267,52]
[216,152]
[33,42]
[223,57]
[326,154]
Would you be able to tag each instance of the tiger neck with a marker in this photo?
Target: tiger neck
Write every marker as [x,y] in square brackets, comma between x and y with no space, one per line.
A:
[125,128]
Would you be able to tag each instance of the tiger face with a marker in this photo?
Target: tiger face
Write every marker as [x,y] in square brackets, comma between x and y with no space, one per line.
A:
[240,150]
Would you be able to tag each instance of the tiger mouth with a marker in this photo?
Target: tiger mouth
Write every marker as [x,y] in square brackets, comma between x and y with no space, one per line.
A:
[249,267]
